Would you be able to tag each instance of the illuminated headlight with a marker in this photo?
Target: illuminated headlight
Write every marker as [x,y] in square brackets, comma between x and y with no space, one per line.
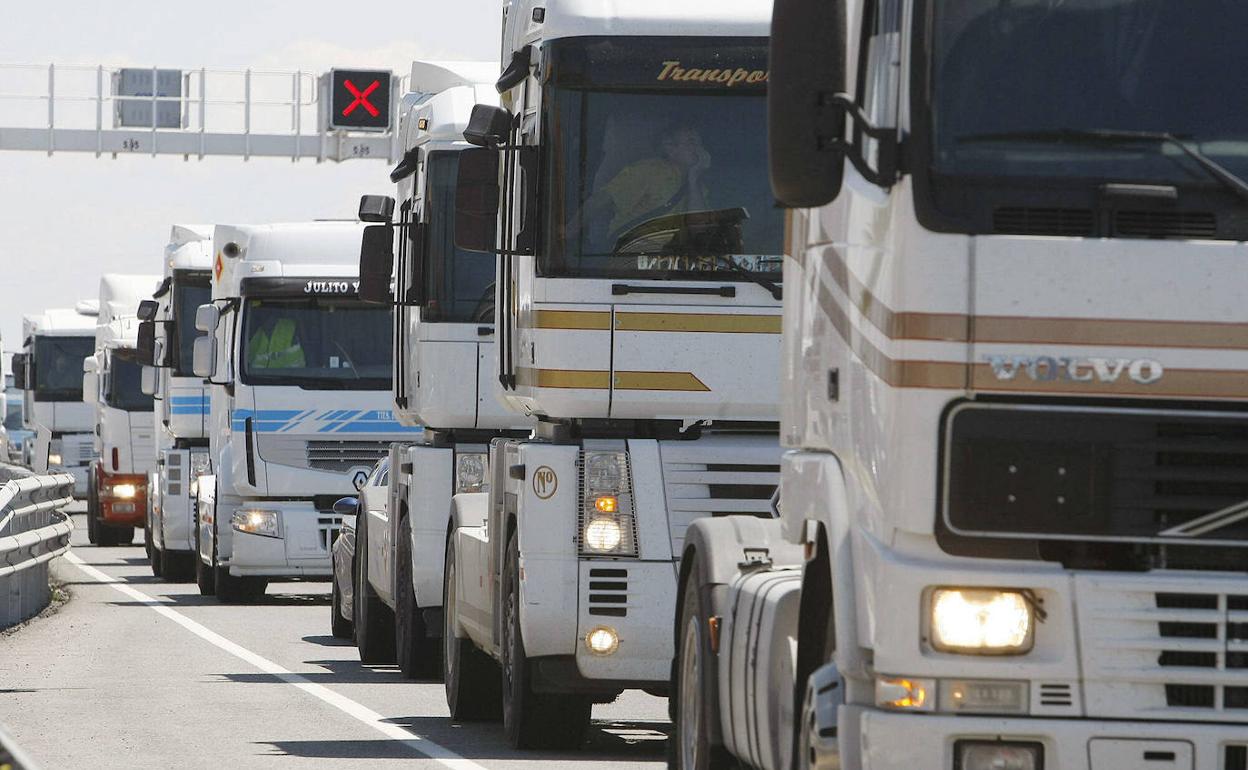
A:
[54,458]
[999,755]
[470,470]
[982,621]
[603,535]
[124,491]
[258,522]
[602,641]
[608,525]
[905,694]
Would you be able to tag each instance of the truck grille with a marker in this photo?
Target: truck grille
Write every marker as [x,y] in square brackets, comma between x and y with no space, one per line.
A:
[1164,648]
[608,592]
[342,456]
[717,478]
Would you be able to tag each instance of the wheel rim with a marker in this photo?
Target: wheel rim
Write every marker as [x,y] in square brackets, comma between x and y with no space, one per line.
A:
[509,663]
[807,743]
[690,695]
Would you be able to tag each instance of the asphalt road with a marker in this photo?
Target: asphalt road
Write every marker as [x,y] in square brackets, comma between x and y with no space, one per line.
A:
[135,672]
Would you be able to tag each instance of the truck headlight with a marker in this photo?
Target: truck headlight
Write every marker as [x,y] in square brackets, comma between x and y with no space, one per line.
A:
[982,621]
[608,526]
[124,491]
[999,755]
[470,470]
[54,458]
[256,521]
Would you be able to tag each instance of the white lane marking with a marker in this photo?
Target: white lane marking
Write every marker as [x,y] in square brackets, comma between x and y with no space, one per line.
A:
[417,743]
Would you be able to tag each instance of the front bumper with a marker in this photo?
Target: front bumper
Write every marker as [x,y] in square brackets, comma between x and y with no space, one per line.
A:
[302,550]
[122,511]
[636,600]
[890,741]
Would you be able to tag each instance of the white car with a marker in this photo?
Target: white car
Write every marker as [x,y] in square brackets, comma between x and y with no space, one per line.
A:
[374,494]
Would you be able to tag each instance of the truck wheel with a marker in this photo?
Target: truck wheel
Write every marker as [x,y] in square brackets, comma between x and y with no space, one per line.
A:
[93,512]
[205,576]
[123,535]
[374,622]
[339,625]
[695,667]
[533,720]
[418,656]
[472,677]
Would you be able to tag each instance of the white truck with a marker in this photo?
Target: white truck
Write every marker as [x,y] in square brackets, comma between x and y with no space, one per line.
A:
[1013,529]
[622,185]
[444,374]
[298,370]
[167,337]
[125,446]
[49,372]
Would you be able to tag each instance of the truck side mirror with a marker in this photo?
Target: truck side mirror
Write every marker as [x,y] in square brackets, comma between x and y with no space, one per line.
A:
[376,263]
[146,344]
[346,506]
[148,380]
[90,378]
[147,310]
[805,129]
[204,354]
[207,317]
[377,208]
[488,126]
[19,371]
[477,195]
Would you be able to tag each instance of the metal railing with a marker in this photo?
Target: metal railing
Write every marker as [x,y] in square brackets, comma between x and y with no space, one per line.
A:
[195,113]
[33,531]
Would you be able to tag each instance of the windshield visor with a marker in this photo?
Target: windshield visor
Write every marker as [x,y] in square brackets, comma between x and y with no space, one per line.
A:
[1007,74]
[316,343]
[58,367]
[658,163]
[122,386]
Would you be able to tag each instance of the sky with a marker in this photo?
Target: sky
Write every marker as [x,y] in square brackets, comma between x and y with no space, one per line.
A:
[67,218]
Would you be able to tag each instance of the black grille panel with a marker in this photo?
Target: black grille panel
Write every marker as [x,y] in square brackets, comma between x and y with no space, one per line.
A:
[609,592]
[1078,223]
[1171,480]
[1165,224]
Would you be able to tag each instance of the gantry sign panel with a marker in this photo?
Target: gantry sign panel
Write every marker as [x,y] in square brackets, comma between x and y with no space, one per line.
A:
[360,100]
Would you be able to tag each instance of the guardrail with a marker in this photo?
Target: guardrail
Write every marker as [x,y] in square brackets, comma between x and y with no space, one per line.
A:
[33,531]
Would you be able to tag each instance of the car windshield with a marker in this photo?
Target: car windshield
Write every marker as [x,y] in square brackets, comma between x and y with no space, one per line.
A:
[1015,81]
[459,285]
[190,290]
[58,367]
[658,163]
[13,413]
[316,343]
[122,386]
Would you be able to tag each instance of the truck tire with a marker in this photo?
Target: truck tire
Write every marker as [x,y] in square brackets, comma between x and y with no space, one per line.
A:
[374,622]
[155,556]
[238,590]
[205,576]
[122,535]
[418,656]
[177,566]
[339,625]
[472,678]
[93,512]
[692,743]
[533,720]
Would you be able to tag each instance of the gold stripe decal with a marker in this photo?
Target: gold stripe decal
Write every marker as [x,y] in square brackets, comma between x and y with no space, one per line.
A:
[585,320]
[584,379]
[703,323]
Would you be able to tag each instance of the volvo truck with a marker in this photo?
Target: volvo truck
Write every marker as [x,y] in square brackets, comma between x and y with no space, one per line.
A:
[167,336]
[124,439]
[298,372]
[622,186]
[1012,528]
[444,375]
[49,372]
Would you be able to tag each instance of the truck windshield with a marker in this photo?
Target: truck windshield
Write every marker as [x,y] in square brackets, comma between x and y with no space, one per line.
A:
[1015,84]
[657,161]
[459,285]
[190,290]
[122,386]
[58,367]
[315,344]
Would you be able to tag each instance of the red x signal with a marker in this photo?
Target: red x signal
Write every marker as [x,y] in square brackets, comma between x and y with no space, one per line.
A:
[361,98]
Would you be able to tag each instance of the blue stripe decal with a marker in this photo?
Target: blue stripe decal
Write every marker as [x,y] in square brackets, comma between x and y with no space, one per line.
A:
[329,421]
[189,410]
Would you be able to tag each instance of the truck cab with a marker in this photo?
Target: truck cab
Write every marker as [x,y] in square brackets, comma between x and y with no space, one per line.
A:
[117,497]
[181,413]
[298,370]
[49,373]
[621,184]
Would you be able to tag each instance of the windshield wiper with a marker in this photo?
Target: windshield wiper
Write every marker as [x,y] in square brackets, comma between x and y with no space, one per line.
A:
[777,292]
[1215,170]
